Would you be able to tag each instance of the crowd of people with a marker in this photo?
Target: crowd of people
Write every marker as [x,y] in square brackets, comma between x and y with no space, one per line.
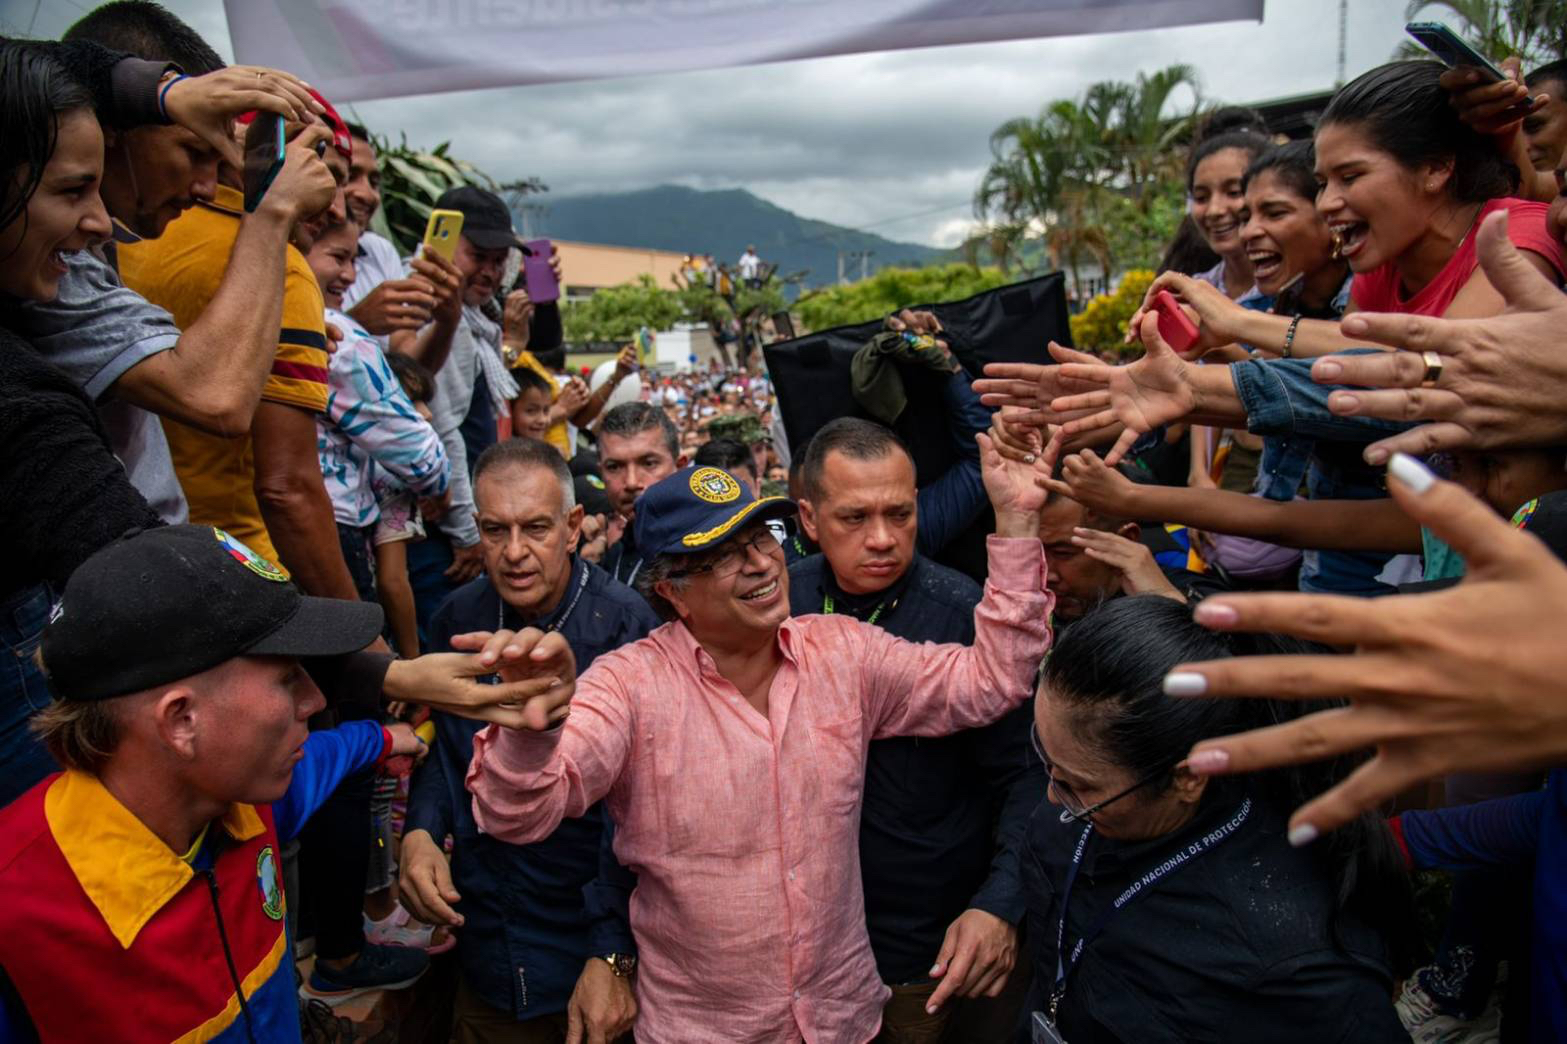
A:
[360,647]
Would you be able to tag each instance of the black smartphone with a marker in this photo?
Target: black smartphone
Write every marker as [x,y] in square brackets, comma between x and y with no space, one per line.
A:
[784,325]
[264,150]
[1450,48]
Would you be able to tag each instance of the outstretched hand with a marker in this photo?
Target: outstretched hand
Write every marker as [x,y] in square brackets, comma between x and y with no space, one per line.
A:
[537,669]
[1462,680]
[1501,378]
[1031,387]
[1011,484]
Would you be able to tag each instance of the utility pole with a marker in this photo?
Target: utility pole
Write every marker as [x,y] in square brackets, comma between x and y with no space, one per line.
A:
[841,279]
[865,263]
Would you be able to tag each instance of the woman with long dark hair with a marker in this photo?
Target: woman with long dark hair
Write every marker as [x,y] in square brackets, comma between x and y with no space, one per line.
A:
[65,493]
[1164,908]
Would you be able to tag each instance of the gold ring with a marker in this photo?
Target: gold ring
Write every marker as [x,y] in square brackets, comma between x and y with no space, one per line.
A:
[1433,363]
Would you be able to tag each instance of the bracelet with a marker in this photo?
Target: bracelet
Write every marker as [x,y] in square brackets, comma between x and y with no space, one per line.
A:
[164,94]
[1289,337]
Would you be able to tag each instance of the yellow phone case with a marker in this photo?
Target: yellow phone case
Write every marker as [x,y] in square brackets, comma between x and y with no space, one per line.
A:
[440,235]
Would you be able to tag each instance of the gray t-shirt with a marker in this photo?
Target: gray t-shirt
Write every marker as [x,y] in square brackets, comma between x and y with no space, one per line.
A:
[95,330]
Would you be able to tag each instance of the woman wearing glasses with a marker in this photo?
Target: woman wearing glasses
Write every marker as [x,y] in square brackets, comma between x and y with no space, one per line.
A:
[1167,907]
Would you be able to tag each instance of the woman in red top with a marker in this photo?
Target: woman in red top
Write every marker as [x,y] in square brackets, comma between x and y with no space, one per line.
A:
[1403,185]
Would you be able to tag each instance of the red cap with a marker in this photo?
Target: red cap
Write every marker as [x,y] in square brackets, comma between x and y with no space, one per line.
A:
[341,140]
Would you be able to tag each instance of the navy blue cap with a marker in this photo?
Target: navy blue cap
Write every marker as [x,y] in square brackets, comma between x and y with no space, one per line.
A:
[697,508]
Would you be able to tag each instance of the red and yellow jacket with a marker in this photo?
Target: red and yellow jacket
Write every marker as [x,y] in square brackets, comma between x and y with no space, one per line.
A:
[106,934]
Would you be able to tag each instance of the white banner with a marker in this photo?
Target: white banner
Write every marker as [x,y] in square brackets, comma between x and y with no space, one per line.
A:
[355,50]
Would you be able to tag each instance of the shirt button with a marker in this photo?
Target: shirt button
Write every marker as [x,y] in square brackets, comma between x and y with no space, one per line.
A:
[796,994]
[791,875]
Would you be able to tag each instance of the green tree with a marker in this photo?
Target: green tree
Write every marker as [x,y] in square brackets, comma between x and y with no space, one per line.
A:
[737,314]
[891,289]
[616,313]
[412,180]
[1063,176]
[1533,30]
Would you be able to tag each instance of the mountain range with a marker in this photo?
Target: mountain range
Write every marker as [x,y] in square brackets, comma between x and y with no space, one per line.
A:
[721,223]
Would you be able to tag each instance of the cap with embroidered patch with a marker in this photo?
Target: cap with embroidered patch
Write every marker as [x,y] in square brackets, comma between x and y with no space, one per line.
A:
[696,508]
[159,605]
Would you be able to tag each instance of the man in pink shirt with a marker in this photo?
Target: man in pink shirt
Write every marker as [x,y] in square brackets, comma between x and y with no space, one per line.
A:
[730,748]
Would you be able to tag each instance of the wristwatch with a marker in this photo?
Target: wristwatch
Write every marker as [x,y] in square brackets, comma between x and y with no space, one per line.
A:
[624,965]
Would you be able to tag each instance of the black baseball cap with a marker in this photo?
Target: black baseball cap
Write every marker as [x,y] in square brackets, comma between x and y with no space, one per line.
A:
[696,508]
[162,604]
[485,220]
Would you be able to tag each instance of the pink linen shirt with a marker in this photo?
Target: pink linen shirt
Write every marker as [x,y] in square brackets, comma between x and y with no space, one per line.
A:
[743,829]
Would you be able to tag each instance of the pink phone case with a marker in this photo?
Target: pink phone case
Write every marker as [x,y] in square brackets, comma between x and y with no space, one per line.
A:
[1177,329]
[536,272]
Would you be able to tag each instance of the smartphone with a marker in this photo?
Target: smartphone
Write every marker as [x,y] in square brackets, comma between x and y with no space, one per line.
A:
[441,232]
[1450,48]
[784,324]
[537,273]
[1177,329]
[264,151]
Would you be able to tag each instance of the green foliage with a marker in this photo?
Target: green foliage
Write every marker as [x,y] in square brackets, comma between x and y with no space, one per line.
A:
[1138,235]
[616,313]
[892,289]
[1101,325]
[412,180]
[1534,31]
[1089,178]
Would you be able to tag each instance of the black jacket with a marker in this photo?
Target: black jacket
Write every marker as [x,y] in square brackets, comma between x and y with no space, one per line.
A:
[532,913]
[943,818]
[1234,946]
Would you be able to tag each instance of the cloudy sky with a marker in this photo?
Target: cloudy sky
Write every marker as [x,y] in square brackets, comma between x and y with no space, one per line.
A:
[894,143]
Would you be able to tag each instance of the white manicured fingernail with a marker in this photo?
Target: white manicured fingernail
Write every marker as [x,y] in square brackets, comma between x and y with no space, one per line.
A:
[1302,835]
[1411,473]
[1184,683]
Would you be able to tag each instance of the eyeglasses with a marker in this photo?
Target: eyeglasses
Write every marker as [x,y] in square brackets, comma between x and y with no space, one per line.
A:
[727,560]
[1072,807]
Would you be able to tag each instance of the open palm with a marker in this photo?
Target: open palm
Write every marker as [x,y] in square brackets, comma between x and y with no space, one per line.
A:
[1152,391]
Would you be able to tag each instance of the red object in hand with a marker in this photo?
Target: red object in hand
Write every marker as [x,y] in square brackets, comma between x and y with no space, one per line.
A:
[1175,326]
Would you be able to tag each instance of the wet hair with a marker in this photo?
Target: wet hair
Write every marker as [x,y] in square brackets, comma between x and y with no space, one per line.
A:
[1551,72]
[147,30]
[1295,165]
[1109,669]
[528,453]
[38,91]
[633,418]
[357,130]
[417,380]
[529,379]
[1230,127]
[728,454]
[853,437]
[1403,111]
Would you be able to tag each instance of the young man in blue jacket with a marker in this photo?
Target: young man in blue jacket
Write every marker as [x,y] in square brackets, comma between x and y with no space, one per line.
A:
[149,869]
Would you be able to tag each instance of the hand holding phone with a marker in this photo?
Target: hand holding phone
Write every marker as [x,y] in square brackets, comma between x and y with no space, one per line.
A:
[441,232]
[538,274]
[1175,326]
[1451,49]
[264,153]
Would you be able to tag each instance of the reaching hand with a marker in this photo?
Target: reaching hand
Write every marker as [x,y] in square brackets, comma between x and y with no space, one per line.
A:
[206,105]
[976,957]
[591,543]
[1094,484]
[539,663]
[517,317]
[625,363]
[1014,493]
[1152,391]
[1140,574]
[574,395]
[397,304]
[1501,378]
[1033,387]
[1462,680]
[1207,306]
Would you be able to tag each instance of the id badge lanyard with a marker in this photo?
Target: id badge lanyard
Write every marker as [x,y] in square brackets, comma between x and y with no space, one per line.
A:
[1184,857]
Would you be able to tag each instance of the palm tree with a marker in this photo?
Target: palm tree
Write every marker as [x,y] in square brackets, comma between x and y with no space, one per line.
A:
[1533,30]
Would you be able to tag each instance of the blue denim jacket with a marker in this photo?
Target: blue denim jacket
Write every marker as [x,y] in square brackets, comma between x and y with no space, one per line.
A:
[1304,441]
